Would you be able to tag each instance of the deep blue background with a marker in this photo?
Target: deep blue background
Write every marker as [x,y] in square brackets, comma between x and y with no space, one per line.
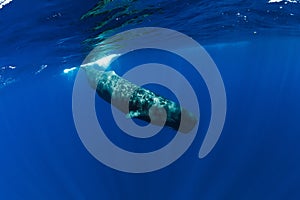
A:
[42,157]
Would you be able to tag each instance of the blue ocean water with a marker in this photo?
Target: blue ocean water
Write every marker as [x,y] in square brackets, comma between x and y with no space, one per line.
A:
[255,45]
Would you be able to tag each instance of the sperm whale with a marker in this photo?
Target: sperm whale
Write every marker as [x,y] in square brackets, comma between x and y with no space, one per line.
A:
[138,102]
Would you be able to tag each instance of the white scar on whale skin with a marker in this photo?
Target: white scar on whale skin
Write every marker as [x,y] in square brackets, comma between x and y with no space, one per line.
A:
[135,101]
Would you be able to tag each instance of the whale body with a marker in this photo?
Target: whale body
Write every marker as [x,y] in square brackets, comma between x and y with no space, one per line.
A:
[138,102]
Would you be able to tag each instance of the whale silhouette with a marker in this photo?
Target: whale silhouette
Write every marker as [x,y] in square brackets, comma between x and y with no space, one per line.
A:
[138,102]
